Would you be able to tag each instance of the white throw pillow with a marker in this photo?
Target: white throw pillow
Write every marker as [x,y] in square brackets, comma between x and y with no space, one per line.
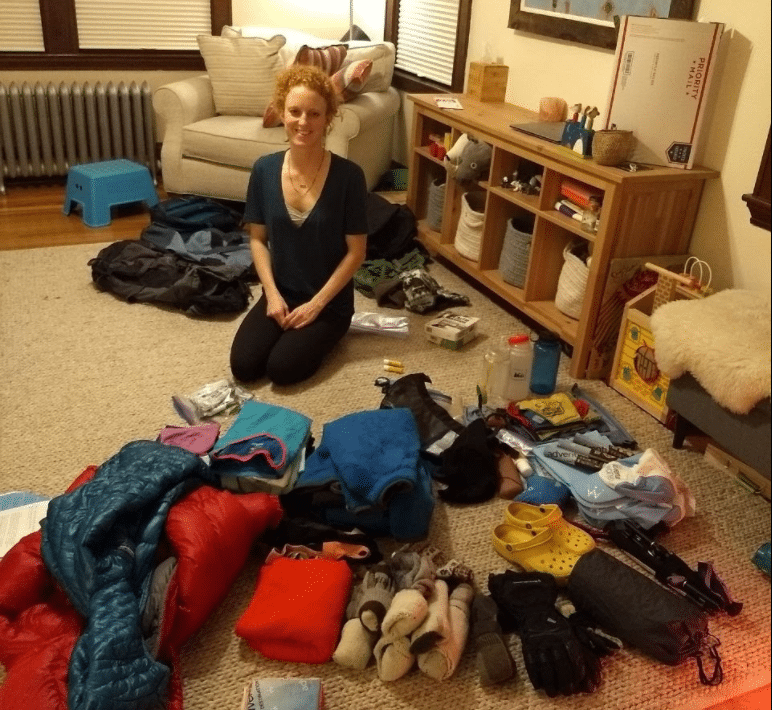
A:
[242,71]
[382,54]
[295,39]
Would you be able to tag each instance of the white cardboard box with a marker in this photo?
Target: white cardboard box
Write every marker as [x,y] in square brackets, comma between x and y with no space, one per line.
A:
[451,326]
[661,86]
[456,344]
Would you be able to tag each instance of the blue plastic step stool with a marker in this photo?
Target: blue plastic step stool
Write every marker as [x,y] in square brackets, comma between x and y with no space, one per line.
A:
[99,186]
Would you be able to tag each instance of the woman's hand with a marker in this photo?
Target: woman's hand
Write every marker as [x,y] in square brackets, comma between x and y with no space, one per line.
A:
[276,308]
[303,315]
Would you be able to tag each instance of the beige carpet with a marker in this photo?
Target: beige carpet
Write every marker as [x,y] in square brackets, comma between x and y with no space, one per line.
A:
[84,373]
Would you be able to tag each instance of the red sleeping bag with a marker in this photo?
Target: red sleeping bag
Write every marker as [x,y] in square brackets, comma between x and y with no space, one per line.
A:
[210,532]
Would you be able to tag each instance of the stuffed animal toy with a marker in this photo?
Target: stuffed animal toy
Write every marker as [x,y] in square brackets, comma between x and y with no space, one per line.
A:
[471,162]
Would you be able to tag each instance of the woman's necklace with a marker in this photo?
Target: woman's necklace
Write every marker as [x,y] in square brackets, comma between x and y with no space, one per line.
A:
[303,190]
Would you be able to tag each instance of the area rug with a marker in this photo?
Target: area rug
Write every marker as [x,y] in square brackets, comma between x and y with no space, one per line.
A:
[83,373]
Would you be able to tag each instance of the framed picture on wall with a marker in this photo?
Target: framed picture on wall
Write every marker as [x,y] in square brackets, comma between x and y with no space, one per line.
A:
[592,22]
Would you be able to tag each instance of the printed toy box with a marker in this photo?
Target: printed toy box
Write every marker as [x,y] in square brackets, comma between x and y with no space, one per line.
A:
[635,373]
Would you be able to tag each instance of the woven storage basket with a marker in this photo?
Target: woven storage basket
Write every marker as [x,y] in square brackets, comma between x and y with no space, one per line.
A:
[513,262]
[470,224]
[611,147]
[572,282]
[435,205]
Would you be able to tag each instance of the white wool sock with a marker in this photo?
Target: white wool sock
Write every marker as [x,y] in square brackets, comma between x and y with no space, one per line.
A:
[393,657]
[436,625]
[407,610]
[441,661]
[355,648]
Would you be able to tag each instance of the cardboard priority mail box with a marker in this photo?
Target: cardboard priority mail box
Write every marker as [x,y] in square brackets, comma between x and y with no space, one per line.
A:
[661,86]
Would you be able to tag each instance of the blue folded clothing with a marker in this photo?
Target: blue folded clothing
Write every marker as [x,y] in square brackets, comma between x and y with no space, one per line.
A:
[374,457]
[598,502]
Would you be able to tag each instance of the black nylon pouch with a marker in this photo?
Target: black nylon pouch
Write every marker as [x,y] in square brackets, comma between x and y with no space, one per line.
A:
[642,613]
[434,422]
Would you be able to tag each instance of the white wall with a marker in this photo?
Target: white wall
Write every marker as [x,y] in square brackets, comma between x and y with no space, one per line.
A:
[329,18]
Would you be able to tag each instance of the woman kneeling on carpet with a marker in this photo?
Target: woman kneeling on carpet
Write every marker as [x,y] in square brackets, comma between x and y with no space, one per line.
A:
[306,212]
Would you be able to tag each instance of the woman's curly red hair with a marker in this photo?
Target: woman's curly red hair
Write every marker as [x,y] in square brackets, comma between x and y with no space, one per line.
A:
[312,78]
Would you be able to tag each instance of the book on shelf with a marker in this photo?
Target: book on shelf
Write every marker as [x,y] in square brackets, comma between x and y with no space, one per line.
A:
[578,192]
[283,694]
[570,209]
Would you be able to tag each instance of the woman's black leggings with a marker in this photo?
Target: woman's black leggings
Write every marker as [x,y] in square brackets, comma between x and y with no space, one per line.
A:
[261,347]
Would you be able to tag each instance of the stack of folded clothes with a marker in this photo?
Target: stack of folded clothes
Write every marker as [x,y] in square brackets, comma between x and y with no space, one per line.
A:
[263,450]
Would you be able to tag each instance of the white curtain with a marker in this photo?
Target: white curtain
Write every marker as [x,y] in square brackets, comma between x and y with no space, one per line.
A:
[21,29]
[426,38]
[142,24]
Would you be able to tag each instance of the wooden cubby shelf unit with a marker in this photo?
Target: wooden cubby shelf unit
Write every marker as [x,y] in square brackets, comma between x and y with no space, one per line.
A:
[645,213]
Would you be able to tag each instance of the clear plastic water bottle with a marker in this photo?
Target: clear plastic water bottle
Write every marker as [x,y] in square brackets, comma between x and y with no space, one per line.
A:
[520,365]
[546,360]
[493,377]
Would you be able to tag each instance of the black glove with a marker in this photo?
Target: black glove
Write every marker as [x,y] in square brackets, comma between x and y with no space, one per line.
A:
[556,660]
[587,632]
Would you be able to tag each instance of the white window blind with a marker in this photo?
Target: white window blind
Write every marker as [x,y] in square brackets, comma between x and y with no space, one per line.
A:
[426,38]
[21,29]
[142,24]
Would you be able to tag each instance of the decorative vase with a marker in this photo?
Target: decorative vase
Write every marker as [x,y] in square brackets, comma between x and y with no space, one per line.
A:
[611,147]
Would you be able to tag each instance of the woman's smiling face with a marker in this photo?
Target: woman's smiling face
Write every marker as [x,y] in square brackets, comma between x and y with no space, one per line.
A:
[305,116]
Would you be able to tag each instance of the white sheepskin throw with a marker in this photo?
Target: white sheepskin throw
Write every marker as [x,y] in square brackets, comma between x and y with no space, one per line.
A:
[722,340]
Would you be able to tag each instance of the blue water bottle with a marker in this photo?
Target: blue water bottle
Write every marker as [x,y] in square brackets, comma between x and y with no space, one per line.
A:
[546,360]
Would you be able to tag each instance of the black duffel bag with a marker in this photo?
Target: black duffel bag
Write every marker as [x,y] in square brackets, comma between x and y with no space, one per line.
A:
[640,612]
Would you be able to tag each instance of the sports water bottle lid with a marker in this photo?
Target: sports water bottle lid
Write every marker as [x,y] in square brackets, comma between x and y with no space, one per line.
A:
[517,339]
[548,335]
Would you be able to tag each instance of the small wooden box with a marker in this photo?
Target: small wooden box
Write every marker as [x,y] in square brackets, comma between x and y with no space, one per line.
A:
[487,82]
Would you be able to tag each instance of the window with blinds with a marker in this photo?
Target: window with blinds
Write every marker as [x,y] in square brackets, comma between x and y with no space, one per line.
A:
[426,44]
[142,24]
[21,29]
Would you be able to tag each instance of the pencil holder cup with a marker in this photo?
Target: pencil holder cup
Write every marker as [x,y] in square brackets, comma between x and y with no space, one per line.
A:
[611,147]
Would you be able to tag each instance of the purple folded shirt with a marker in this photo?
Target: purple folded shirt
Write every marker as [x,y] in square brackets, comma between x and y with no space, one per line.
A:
[199,439]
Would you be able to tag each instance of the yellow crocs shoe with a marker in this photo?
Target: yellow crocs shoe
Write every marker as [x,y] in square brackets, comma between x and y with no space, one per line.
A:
[535,550]
[534,517]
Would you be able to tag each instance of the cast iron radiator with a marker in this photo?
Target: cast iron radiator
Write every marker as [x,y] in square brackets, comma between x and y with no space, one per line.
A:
[44,130]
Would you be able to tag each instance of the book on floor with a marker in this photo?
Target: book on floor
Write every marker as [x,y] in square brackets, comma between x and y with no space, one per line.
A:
[283,694]
[20,515]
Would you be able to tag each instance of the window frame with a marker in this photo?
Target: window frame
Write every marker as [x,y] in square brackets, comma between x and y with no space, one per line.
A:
[60,38]
[406,81]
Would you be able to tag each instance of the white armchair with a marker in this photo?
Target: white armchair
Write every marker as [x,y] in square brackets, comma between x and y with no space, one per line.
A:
[205,153]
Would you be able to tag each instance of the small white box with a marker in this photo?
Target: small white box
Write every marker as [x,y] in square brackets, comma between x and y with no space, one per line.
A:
[451,330]
[454,344]
[660,88]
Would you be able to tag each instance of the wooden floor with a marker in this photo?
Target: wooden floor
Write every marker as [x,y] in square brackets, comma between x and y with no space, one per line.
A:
[31,216]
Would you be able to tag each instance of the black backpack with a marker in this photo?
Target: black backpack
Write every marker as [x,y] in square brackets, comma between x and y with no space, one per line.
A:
[191,213]
[138,273]
[392,229]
